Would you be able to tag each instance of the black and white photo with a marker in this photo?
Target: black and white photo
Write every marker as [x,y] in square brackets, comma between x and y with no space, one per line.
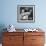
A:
[25,13]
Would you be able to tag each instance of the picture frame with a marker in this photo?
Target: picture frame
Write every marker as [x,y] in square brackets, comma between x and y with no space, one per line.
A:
[26,13]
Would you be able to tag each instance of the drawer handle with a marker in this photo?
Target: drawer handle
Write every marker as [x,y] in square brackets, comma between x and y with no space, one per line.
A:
[33,39]
[11,38]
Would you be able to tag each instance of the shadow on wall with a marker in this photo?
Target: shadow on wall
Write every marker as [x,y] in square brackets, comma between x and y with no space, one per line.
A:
[2,26]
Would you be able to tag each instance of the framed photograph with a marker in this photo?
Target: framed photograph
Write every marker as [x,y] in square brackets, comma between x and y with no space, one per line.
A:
[26,13]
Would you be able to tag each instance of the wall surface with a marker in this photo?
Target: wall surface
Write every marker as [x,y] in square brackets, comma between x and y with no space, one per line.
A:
[8,13]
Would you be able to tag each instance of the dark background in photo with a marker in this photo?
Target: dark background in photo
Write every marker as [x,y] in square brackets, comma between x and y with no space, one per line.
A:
[27,9]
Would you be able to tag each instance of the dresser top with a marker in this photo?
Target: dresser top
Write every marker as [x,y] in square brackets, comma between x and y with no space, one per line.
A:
[22,30]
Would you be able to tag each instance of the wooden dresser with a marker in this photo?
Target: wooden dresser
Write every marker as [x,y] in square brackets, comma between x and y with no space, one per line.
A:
[23,39]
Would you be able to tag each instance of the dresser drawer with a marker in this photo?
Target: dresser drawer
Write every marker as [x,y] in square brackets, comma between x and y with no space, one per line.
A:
[13,33]
[12,39]
[37,39]
[13,44]
[37,44]
[34,33]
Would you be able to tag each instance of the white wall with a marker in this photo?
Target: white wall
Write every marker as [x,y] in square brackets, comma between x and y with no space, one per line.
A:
[9,13]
